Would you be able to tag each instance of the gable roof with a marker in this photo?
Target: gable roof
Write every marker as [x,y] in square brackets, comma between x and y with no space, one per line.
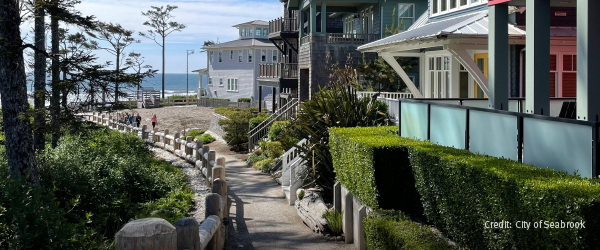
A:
[242,43]
[470,24]
[255,22]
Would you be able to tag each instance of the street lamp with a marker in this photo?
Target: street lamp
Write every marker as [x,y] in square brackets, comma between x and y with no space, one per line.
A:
[187,85]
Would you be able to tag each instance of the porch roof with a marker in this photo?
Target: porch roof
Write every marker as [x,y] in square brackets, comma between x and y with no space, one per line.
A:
[471,24]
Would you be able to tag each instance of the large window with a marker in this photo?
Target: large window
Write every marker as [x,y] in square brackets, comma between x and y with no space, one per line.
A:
[240,55]
[274,55]
[263,55]
[406,15]
[265,32]
[250,52]
[258,33]
[232,84]
[250,30]
[243,32]
[349,25]
[438,72]
[447,6]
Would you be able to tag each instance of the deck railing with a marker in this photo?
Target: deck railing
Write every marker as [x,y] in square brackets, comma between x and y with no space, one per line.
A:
[278,70]
[283,25]
[391,95]
[286,112]
[341,38]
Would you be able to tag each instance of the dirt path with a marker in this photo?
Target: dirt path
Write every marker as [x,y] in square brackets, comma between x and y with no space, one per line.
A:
[261,216]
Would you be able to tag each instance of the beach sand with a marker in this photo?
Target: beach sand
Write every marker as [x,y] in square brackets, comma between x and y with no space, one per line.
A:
[176,118]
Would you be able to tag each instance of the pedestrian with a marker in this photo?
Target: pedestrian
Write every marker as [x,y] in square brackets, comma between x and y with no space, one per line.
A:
[153,121]
[138,120]
[131,119]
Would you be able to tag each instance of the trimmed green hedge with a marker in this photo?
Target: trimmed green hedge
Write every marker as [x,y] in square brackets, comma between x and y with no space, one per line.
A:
[388,229]
[244,100]
[461,191]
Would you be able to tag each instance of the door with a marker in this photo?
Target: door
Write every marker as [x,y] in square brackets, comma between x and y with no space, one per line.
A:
[482,63]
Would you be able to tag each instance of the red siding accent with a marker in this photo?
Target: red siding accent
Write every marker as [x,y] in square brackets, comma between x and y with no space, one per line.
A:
[569,85]
[552,84]
[492,2]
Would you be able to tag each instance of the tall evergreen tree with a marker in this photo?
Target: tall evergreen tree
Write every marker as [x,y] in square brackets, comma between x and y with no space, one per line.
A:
[39,85]
[20,150]
[162,26]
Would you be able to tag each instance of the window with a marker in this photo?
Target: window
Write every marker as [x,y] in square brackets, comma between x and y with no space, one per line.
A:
[447,6]
[439,77]
[406,15]
[250,52]
[265,32]
[274,55]
[243,32]
[228,84]
[220,81]
[210,81]
[258,33]
[250,31]
[263,55]
[240,54]
[232,84]
[220,56]
[210,57]
[231,55]
[569,76]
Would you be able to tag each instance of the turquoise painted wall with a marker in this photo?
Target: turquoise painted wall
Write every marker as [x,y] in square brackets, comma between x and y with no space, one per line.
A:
[388,8]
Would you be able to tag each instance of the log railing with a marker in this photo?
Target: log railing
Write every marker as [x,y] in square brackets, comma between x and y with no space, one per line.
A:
[157,233]
[341,38]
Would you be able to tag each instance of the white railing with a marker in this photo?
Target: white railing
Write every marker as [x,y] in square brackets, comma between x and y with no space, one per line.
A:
[289,181]
[390,95]
[393,107]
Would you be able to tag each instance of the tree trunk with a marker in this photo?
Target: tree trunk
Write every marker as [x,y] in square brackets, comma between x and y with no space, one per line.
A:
[20,151]
[55,98]
[65,92]
[163,67]
[117,81]
[39,99]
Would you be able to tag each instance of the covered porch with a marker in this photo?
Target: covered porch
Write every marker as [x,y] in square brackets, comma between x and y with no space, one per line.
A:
[201,73]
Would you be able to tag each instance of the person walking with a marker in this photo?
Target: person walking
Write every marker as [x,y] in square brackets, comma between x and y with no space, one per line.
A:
[138,120]
[153,121]
[131,119]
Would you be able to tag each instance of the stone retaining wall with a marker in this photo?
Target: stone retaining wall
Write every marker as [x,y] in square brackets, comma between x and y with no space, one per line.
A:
[214,124]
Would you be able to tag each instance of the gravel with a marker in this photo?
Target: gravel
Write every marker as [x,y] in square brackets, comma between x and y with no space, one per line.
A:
[195,180]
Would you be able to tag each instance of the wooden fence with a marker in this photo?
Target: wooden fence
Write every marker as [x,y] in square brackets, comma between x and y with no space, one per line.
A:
[157,233]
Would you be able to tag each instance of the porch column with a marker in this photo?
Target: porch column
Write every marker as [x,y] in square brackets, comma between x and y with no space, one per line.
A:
[323,17]
[259,98]
[300,23]
[588,54]
[498,57]
[274,93]
[313,17]
[537,80]
[200,87]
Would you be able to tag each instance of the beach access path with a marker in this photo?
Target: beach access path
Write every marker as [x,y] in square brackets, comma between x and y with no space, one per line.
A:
[261,217]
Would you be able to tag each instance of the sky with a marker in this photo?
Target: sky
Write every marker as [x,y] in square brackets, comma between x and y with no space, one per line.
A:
[205,20]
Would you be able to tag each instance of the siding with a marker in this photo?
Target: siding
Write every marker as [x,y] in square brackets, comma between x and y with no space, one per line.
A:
[555,21]
[388,9]
[458,13]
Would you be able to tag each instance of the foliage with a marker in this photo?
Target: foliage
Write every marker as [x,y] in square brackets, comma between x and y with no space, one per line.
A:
[214,98]
[254,122]
[265,165]
[274,149]
[194,133]
[236,127]
[206,138]
[334,221]
[368,163]
[378,75]
[174,206]
[283,132]
[460,191]
[334,106]
[301,194]
[183,96]
[244,99]
[253,158]
[388,229]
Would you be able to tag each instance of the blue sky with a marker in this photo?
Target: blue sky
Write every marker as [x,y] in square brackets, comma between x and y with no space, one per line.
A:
[205,20]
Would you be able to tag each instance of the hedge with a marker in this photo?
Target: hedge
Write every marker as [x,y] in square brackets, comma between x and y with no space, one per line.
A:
[244,100]
[388,229]
[461,191]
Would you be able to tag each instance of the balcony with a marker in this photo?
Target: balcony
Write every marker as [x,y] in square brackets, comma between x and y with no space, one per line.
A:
[283,26]
[278,70]
[342,38]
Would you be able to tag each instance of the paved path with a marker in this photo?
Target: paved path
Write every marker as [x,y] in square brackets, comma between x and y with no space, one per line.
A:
[261,216]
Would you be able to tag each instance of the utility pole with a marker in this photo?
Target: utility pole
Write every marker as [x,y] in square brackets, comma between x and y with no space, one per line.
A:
[187,70]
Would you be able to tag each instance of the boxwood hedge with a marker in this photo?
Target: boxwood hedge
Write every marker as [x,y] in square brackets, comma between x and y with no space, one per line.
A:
[461,191]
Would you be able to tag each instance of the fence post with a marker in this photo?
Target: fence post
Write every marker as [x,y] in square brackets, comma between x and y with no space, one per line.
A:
[188,236]
[144,133]
[147,234]
[214,206]
[198,147]
[205,150]
[211,157]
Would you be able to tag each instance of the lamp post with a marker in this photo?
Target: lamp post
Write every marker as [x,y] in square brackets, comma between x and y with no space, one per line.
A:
[187,85]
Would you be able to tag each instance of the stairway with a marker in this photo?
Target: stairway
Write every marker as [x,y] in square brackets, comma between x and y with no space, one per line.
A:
[261,131]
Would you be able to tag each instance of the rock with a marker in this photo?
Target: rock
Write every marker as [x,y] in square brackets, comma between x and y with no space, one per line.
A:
[311,209]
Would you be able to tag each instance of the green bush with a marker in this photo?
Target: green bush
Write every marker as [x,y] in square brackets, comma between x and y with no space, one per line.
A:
[194,133]
[265,165]
[174,206]
[390,230]
[254,122]
[274,149]
[244,100]
[253,158]
[278,129]
[334,221]
[301,194]
[206,138]
[236,127]
[461,191]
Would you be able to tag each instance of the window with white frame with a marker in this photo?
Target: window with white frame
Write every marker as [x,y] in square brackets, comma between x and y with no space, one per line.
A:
[439,7]
[220,56]
[263,55]
[274,53]
[220,81]
[243,32]
[232,84]
[231,55]
[349,25]
[406,15]
[438,73]
[210,57]
[210,81]
[240,55]
[265,32]
[258,32]
[250,52]
[250,30]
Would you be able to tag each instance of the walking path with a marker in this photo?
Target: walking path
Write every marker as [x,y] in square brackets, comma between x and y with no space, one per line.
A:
[261,217]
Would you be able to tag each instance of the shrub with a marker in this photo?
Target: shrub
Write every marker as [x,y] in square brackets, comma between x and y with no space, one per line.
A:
[253,158]
[254,122]
[394,230]
[460,191]
[265,165]
[262,144]
[244,100]
[174,206]
[214,98]
[236,127]
[278,129]
[194,133]
[274,149]
[334,221]
[301,194]
[206,138]
[183,96]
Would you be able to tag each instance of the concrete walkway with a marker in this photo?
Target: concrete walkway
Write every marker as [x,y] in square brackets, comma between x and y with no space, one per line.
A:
[261,217]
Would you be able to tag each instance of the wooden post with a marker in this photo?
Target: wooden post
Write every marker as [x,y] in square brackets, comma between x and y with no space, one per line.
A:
[221,161]
[205,151]
[211,157]
[188,150]
[198,147]
[220,187]
[188,236]
[218,172]
[144,133]
[147,234]
[214,206]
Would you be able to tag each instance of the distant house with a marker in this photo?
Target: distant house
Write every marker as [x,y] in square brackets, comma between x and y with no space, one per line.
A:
[233,66]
